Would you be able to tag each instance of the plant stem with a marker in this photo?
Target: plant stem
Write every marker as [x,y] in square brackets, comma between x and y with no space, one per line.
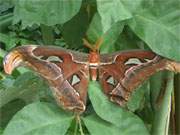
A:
[177,103]
[76,126]
[47,34]
[80,125]
[161,121]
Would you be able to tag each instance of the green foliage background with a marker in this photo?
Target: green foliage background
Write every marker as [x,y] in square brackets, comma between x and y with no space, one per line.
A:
[26,103]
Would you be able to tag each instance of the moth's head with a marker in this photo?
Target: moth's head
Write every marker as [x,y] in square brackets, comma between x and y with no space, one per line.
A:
[93,47]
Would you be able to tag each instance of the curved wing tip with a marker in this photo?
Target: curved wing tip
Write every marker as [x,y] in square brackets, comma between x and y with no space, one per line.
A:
[11,61]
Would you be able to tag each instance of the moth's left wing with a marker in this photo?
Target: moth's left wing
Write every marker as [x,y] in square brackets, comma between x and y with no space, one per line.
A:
[66,71]
[122,72]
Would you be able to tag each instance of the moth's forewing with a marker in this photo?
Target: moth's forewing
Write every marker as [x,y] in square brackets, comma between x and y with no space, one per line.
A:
[122,72]
[58,66]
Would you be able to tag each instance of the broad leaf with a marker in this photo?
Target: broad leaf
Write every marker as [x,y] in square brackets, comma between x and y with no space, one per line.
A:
[39,119]
[9,110]
[97,126]
[137,97]
[127,40]
[95,31]
[159,27]
[48,12]
[5,21]
[26,87]
[126,121]
[74,30]
[111,12]
[11,41]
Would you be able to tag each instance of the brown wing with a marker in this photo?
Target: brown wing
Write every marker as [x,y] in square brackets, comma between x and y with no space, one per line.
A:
[121,73]
[66,72]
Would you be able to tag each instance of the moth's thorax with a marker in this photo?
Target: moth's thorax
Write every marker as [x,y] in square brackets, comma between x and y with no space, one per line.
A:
[94,60]
[94,57]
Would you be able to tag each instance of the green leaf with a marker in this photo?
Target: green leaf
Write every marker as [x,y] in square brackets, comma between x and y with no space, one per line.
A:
[11,41]
[6,83]
[128,40]
[111,12]
[39,119]
[74,30]
[159,27]
[48,12]
[95,31]
[156,83]
[47,34]
[7,111]
[137,97]
[97,126]
[138,6]
[126,121]
[27,87]
[5,21]
[2,53]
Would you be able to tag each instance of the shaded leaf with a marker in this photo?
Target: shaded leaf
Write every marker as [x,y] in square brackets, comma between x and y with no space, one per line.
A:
[74,30]
[8,110]
[128,40]
[5,21]
[137,97]
[11,41]
[95,31]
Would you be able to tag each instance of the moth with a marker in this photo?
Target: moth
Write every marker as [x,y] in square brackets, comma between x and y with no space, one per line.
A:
[68,72]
